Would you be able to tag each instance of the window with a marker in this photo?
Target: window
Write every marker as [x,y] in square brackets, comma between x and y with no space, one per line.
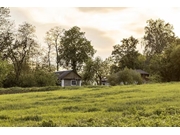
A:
[73,82]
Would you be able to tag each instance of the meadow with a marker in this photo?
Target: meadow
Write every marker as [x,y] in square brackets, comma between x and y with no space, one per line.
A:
[147,105]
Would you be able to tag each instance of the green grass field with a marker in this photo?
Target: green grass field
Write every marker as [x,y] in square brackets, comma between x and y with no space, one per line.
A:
[148,105]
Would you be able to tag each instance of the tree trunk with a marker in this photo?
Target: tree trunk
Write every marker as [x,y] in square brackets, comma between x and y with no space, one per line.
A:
[57,63]
[74,66]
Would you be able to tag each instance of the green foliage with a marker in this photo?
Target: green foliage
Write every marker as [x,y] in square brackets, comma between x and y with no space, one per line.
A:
[155,78]
[45,78]
[27,80]
[113,79]
[22,47]
[126,55]
[75,49]
[53,38]
[158,36]
[95,70]
[126,76]
[175,63]
[10,80]
[37,78]
[5,69]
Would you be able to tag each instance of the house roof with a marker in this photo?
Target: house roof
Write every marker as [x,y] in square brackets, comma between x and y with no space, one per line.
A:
[62,74]
[142,71]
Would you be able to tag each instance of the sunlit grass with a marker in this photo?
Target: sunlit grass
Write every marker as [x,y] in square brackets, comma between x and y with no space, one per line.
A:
[132,105]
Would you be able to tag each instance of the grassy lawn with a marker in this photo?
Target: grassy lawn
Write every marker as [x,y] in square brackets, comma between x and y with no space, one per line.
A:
[148,105]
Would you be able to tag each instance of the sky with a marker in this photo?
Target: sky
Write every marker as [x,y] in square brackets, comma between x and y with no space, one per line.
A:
[104,26]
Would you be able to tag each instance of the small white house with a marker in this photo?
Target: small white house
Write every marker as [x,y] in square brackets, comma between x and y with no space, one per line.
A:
[68,78]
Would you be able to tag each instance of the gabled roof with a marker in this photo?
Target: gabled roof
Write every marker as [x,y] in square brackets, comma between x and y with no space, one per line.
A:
[62,74]
[142,71]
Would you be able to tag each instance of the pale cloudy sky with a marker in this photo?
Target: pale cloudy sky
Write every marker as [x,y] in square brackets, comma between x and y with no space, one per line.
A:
[104,27]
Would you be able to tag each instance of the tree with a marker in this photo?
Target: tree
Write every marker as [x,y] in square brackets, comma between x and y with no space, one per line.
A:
[174,64]
[53,39]
[22,47]
[96,70]
[5,69]
[158,35]
[125,55]
[88,72]
[4,14]
[6,30]
[75,49]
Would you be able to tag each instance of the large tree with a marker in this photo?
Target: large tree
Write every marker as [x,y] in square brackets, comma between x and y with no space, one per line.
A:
[53,40]
[158,35]
[22,47]
[6,30]
[125,54]
[75,49]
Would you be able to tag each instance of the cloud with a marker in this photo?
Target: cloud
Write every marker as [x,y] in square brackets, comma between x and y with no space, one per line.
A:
[101,9]
[20,15]
[100,41]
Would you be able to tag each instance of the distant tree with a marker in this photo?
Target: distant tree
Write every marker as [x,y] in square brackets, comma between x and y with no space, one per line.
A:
[88,72]
[173,64]
[53,40]
[100,69]
[96,70]
[158,35]
[125,55]
[75,49]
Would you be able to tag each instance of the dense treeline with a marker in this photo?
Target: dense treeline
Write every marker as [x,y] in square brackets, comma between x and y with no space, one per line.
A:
[23,62]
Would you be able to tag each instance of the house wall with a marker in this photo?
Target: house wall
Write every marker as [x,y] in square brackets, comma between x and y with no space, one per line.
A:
[68,83]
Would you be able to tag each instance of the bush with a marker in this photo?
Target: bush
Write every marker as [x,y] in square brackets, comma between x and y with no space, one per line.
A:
[126,76]
[155,78]
[10,80]
[113,79]
[44,78]
[5,69]
[27,80]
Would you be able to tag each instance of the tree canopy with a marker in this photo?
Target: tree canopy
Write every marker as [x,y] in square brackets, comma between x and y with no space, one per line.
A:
[75,49]
[158,35]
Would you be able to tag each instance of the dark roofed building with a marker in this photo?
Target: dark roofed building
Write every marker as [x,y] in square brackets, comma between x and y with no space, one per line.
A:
[68,78]
[143,74]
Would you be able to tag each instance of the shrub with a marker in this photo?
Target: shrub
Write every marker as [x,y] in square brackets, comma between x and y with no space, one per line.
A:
[10,80]
[45,78]
[126,76]
[113,79]
[27,80]
[155,78]
[5,69]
